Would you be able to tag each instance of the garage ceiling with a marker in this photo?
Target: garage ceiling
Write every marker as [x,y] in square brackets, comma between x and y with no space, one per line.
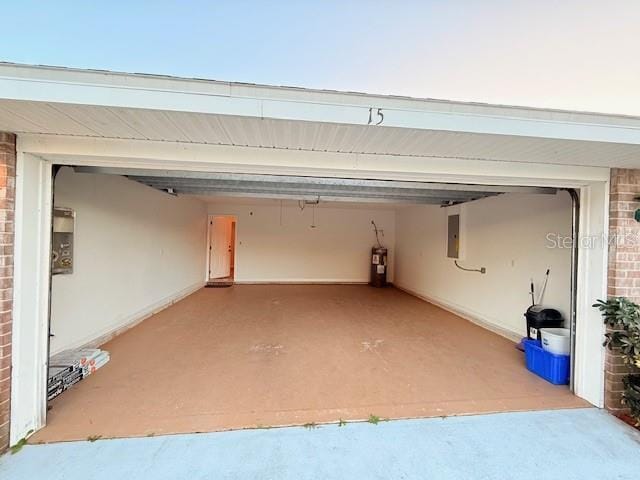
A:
[312,189]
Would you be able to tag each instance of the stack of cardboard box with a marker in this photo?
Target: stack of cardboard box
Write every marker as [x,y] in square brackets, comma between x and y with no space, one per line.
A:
[69,367]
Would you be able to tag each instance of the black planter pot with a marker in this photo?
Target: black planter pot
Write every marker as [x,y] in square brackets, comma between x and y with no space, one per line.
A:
[632,382]
[631,395]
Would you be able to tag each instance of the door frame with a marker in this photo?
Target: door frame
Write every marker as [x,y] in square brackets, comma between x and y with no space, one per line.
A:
[210,216]
[36,154]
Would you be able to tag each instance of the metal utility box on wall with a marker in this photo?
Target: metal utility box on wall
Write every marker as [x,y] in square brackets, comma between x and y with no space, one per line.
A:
[453,236]
[62,241]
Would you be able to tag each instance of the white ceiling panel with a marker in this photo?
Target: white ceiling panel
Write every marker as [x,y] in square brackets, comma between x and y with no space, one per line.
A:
[171,126]
[45,118]
[12,122]
[101,120]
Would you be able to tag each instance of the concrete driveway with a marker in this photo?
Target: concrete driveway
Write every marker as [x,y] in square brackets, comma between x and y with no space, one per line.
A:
[562,444]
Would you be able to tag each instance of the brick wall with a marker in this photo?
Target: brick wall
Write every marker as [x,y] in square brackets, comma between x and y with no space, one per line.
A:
[624,266]
[7,197]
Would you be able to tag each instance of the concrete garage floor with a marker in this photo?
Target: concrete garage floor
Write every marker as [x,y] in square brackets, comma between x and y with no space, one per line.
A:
[578,444]
[265,355]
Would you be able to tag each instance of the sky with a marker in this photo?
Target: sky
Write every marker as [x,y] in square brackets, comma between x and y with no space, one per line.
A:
[571,54]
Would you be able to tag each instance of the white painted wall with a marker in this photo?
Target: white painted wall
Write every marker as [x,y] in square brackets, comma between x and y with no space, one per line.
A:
[136,250]
[275,247]
[507,234]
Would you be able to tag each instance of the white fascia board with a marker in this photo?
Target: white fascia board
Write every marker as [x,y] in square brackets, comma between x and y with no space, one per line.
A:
[125,97]
[219,98]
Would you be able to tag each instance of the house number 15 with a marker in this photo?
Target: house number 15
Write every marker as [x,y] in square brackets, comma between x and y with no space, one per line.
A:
[375,118]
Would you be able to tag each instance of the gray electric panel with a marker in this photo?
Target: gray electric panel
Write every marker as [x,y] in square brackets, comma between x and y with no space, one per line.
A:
[62,241]
[453,236]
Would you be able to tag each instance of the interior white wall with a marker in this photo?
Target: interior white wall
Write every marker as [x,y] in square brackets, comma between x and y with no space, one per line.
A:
[507,234]
[275,244]
[136,250]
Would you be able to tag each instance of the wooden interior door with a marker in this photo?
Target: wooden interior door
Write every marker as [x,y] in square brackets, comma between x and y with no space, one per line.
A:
[220,247]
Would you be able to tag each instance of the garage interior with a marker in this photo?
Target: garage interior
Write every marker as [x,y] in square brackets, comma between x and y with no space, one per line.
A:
[298,337]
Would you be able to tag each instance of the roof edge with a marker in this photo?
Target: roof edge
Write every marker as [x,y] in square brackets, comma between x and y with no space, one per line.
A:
[229,88]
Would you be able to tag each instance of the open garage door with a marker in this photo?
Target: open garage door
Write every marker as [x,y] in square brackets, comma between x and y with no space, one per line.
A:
[307,188]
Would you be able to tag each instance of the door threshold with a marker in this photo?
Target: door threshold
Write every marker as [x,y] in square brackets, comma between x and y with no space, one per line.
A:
[219,282]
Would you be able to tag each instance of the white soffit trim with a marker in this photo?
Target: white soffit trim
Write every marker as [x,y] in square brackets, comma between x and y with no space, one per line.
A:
[98,104]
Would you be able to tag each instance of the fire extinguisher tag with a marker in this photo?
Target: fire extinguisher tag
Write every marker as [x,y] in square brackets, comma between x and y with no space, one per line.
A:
[375,259]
